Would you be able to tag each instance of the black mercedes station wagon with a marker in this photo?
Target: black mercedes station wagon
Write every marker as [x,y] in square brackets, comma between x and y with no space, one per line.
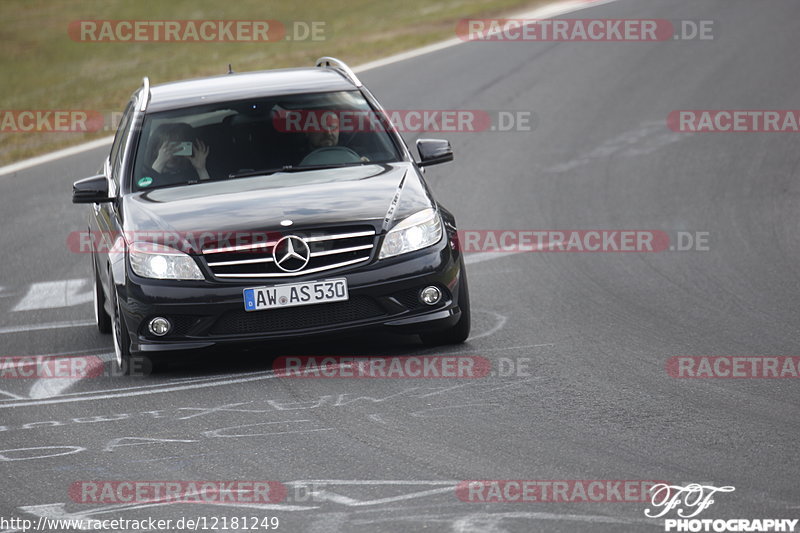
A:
[268,205]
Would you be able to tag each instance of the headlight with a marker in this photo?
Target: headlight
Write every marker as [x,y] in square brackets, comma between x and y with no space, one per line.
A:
[162,262]
[420,230]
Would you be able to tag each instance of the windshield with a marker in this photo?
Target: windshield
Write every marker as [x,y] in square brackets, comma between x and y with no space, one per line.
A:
[260,136]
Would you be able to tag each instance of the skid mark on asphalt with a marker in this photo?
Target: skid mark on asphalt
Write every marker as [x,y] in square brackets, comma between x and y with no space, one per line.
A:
[648,137]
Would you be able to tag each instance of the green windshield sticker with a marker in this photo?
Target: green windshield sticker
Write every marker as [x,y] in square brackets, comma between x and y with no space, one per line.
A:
[145,181]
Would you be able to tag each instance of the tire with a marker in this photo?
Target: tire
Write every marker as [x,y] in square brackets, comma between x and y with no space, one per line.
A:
[127,364]
[459,332]
[101,316]
[119,333]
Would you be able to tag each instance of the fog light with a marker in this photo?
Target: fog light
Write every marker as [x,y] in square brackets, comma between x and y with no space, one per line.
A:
[430,295]
[159,326]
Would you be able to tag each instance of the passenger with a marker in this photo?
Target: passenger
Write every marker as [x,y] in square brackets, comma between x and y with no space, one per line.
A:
[177,153]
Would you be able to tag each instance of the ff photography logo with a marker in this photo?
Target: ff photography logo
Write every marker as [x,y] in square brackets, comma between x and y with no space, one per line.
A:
[692,500]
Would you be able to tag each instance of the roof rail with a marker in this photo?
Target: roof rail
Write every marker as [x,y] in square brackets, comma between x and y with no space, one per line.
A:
[145,98]
[341,67]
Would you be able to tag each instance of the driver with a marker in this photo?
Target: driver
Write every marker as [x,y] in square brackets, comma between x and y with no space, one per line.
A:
[328,134]
[327,137]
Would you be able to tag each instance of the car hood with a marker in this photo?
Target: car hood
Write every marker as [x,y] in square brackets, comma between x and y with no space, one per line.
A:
[378,194]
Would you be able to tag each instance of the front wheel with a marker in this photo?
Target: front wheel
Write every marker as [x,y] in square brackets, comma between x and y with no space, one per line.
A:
[128,365]
[101,316]
[459,332]
[119,333]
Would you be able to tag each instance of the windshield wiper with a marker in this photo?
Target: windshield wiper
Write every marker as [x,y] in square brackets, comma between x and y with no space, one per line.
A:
[288,168]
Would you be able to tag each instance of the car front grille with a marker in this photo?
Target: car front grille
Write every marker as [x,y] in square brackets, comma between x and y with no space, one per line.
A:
[296,318]
[328,249]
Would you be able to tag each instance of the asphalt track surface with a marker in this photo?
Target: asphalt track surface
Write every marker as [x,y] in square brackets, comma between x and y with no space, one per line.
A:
[595,328]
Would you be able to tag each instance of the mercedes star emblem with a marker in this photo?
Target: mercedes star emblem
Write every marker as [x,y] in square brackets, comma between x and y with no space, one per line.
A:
[291,253]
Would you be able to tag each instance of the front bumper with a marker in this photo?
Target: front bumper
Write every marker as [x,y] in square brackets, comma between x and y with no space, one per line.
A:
[382,295]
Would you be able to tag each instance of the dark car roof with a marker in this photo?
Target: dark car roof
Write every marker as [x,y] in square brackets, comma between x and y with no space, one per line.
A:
[231,87]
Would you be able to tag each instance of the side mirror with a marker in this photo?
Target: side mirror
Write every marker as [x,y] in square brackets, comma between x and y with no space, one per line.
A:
[92,190]
[434,151]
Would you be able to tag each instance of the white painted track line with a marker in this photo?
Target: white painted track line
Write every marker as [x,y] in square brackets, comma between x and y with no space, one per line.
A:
[50,325]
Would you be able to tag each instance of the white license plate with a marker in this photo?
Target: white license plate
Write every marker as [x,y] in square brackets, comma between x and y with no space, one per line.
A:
[293,294]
